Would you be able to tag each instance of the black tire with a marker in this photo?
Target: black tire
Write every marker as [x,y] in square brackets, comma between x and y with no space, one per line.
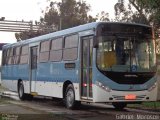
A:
[70,101]
[21,93]
[119,105]
[28,97]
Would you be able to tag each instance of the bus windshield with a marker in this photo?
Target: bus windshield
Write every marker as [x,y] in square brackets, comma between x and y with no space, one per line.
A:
[122,52]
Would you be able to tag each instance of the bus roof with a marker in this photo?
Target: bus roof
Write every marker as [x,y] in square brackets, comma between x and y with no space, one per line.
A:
[72,30]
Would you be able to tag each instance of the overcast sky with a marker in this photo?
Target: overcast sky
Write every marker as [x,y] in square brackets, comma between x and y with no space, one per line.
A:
[31,10]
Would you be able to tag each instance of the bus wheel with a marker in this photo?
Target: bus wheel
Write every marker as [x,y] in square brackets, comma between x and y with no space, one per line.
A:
[70,97]
[21,93]
[119,105]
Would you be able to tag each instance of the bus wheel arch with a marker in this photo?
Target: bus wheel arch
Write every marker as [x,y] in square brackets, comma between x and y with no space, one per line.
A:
[21,93]
[18,84]
[69,96]
[19,80]
[65,85]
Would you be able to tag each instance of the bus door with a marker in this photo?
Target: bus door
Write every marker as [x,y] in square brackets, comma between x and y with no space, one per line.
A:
[33,68]
[86,67]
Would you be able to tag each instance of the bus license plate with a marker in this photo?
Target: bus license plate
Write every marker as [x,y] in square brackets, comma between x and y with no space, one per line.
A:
[130,97]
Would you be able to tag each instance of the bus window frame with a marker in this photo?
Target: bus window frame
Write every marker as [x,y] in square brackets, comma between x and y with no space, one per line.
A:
[56,50]
[24,55]
[72,47]
[44,52]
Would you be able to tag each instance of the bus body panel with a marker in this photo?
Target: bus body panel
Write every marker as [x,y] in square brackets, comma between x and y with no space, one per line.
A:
[10,84]
[100,95]
[125,87]
[11,74]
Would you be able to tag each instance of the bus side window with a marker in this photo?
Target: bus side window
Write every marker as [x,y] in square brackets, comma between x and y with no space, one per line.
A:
[56,49]
[10,57]
[16,55]
[44,51]
[24,54]
[70,50]
[4,57]
[7,56]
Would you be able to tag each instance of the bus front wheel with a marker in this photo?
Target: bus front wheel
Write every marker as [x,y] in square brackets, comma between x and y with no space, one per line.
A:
[70,101]
[119,105]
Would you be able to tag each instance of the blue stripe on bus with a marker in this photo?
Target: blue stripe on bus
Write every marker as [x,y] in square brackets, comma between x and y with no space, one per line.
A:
[52,72]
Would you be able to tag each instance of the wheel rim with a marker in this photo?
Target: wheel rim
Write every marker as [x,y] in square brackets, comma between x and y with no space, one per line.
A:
[70,97]
[21,91]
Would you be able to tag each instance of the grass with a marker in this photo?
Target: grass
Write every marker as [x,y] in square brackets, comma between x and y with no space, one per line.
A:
[152,104]
[146,105]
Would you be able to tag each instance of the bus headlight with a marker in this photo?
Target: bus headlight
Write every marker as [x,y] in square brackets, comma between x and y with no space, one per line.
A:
[106,88]
[152,87]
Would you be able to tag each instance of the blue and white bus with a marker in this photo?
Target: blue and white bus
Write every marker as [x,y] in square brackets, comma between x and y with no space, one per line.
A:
[102,62]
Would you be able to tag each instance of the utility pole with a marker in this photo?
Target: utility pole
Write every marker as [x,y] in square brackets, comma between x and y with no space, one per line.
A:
[60,18]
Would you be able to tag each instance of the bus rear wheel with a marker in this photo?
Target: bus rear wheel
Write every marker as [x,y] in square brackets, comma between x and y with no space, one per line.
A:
[119,105]
[70,101]
[21,93]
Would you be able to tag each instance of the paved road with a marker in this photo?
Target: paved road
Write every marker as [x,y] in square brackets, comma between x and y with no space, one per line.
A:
[46,108]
